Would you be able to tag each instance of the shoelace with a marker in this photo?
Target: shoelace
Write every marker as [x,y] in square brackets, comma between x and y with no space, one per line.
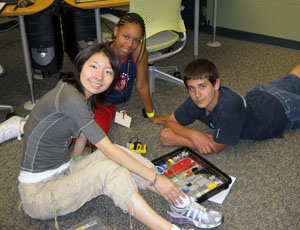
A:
[197,212]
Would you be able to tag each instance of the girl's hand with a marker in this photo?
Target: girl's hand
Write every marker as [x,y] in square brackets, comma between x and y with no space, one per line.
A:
[169,190]
[160,119]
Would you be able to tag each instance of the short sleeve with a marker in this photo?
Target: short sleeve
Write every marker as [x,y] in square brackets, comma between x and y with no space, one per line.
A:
[72,104]
[188,112]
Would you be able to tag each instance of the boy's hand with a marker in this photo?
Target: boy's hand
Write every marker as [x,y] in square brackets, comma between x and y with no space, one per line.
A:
[203,143]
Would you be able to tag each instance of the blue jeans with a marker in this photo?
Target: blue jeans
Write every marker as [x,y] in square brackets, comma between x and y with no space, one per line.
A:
[287,90]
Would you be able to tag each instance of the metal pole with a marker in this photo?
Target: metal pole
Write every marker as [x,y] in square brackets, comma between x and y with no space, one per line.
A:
[98,25]
[214,43]
[196,28]
[30,104]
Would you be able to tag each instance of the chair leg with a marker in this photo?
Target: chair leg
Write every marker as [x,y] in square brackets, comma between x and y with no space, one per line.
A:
[11,110]
[167,77]
[167,69]
[154,73]
[7,107]
[151,78]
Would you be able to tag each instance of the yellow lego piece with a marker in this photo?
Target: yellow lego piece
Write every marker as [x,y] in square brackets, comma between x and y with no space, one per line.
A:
[211,186]
[138,148]
[170,161]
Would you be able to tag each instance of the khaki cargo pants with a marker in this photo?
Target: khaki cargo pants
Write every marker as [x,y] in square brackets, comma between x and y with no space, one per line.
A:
[86,178]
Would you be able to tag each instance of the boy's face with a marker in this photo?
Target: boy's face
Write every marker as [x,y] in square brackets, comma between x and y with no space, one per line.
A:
[203,93]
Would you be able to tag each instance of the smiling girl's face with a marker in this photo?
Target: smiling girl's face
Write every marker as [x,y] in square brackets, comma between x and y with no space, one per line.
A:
[127,39]
[96,75]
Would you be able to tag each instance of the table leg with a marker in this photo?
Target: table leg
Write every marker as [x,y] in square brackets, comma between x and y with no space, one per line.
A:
[214,43]
[196,27]
[30,104]
[98,25]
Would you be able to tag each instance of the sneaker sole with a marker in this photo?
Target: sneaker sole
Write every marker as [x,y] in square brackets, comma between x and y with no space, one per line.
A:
[183,220]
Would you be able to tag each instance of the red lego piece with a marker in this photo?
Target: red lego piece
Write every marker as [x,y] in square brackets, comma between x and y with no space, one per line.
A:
[189,173]
[183,165]
[169,173]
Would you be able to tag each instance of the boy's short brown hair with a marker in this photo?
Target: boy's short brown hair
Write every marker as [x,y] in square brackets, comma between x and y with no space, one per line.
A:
[200,68]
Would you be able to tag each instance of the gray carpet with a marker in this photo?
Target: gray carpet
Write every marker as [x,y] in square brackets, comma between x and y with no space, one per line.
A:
[266,192]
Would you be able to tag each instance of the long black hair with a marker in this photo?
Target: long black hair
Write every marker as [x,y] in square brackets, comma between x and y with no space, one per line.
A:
[81,58]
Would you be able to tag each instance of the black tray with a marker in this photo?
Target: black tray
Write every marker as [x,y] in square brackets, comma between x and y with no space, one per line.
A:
[195,175]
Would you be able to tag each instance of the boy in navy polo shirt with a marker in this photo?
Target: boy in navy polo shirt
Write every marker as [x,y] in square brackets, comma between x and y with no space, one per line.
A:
[265,112]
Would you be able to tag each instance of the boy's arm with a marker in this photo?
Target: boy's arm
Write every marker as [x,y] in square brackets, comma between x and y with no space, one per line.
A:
[219,147]
[176,134]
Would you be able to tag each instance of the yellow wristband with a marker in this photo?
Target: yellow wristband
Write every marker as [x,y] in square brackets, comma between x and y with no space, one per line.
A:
[152,114]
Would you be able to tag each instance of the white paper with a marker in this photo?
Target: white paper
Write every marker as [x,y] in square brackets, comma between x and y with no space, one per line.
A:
[220,197]
[123,119]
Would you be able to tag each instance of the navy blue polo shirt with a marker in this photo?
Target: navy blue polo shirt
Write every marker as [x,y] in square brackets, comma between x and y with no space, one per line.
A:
[258,116]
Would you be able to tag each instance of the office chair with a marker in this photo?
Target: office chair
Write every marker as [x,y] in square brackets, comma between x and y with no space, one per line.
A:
[6,107]
[164,29]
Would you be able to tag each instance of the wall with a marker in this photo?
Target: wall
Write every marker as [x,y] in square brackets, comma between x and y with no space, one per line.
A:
[276,18]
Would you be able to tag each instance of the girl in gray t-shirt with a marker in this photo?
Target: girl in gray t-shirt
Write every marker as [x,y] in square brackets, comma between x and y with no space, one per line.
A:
[51,184]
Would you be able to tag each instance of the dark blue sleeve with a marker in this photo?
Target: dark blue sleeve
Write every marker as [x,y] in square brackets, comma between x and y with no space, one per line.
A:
[188,112]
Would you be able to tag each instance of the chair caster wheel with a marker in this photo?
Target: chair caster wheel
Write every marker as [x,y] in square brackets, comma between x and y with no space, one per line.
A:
[177,74]
[171,49]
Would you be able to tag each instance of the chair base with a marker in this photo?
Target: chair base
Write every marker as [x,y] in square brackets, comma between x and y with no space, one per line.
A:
[7,107]
[154,73]
[10,109]
[166,69]
[213,44]
[29,106]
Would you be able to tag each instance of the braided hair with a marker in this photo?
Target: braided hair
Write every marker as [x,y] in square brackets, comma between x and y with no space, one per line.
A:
[131,17]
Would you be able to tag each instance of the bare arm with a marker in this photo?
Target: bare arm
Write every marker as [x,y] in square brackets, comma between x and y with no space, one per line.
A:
[218,146]
[176,134]
[296,70]
[143,89]
[79,145]
[169,190]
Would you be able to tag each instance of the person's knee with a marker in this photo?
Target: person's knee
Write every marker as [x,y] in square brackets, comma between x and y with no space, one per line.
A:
[126,201]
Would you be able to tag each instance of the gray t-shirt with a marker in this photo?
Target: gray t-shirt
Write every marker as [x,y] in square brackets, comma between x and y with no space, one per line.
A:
[57,118]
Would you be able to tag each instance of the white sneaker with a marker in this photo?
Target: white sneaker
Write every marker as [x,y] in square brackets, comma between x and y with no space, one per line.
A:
[196,214]
[12,128]
[174,227]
